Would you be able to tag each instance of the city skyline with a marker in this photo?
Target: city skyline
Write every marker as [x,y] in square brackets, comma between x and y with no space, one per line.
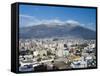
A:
[56,38]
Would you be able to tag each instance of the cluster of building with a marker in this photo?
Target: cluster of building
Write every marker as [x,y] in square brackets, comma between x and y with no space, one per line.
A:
[56,54]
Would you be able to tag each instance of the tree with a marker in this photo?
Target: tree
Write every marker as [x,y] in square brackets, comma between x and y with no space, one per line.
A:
[49,53]
[44,54]
[39,59]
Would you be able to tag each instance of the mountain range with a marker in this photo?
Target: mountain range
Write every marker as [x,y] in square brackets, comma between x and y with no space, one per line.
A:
[56,30]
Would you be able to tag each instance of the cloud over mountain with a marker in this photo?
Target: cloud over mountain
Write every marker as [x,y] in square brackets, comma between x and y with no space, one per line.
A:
[36,28]
[27,20]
